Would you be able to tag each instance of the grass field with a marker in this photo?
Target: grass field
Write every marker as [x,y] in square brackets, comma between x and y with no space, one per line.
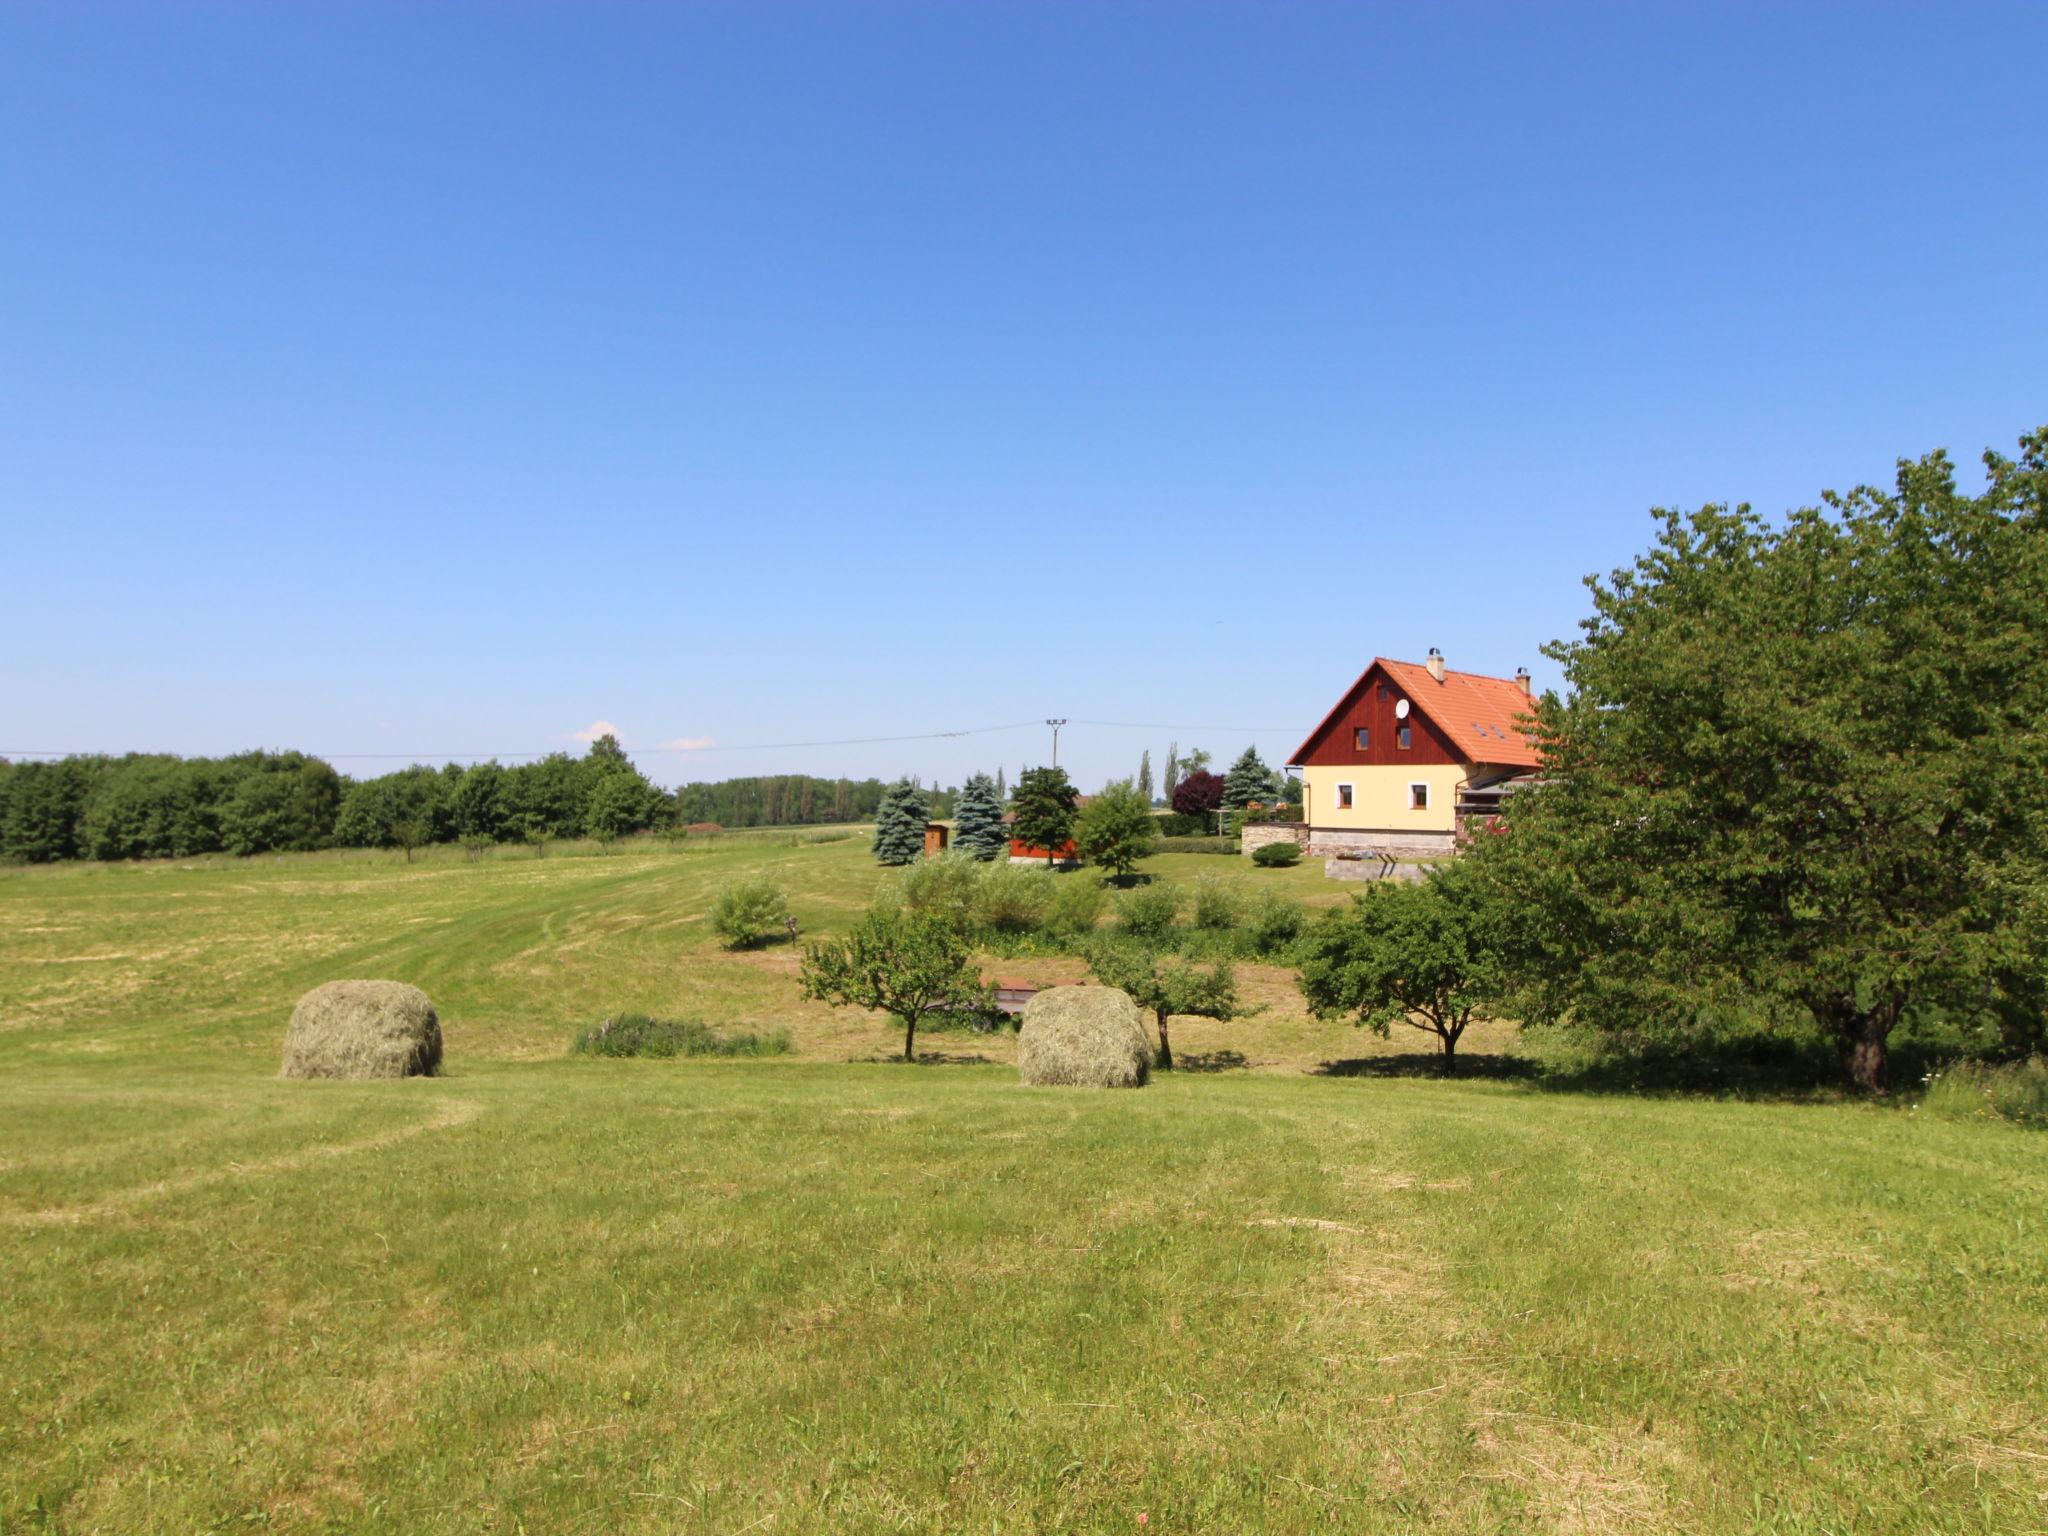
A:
[548,1294]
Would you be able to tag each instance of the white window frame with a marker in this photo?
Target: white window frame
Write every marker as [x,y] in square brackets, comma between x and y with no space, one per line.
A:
[1347,796]
[1418,795]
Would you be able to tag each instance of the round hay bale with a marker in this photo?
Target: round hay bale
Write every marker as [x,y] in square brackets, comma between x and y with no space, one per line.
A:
[1084,1037]
[363,1029]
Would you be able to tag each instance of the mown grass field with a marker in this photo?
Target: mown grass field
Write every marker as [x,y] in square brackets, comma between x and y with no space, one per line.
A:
[839,1293]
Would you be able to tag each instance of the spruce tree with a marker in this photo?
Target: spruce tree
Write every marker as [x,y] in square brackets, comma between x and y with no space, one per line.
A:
[899,824]
[980,833]
[1249,779]
[1145,774]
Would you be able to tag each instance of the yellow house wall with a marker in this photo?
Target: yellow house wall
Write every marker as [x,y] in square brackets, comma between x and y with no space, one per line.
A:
[1379,797]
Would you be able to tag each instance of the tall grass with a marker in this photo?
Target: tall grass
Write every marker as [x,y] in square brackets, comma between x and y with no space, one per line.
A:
[635,1034]
[1980,1091]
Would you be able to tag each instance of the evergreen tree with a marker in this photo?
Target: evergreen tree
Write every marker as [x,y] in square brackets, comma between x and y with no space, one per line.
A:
[1045,809]
[980,833]
[899,824]
[1171,780]
[1249,779]
[1145,774]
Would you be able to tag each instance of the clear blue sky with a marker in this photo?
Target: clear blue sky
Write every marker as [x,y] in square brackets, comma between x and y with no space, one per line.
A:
[443,378]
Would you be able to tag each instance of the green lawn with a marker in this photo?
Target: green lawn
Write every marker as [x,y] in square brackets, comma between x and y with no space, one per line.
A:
[560,1295]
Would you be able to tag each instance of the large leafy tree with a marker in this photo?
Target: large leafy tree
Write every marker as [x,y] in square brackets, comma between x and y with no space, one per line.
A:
[900,823]
[1116,828]
[1044,804]
[909,965]
[978,832]
[1166,985]
[1432,955]
[1198,794]
[1804,769]
[1249,779]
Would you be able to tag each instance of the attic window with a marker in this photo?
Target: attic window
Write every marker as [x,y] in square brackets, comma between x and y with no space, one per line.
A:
[1362,738]
[1403,738]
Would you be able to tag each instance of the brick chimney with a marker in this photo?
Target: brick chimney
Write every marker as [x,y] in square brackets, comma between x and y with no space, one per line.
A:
[1436,663]
[1522,677]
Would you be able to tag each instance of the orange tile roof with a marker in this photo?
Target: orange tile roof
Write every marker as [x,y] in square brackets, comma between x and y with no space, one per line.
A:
[1478,713]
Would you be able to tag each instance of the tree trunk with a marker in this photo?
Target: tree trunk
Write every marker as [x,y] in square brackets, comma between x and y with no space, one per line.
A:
[1866,1048]
[1450,1055]
[1165,1045]
[909,1039]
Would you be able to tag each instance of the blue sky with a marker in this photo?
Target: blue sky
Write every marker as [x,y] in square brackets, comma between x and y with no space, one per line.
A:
[445,379]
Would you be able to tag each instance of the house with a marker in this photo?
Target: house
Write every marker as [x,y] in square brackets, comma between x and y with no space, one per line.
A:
[1411,758]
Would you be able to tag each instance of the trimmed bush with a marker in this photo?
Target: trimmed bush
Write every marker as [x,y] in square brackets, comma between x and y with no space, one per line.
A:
[635,1034]
[1150,911]
[747,911]
[1197,845]
[363,1029]
[1173,824]
[1083,1037]
[1277,855]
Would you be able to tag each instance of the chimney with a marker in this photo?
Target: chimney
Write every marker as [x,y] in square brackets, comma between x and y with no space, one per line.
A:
[1436,663]
[1522,677]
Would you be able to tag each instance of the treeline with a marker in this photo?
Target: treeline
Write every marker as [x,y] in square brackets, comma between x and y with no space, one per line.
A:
[792,800]
[145,806]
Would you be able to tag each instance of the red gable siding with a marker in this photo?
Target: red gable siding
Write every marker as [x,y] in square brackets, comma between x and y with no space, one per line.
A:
[1370,703]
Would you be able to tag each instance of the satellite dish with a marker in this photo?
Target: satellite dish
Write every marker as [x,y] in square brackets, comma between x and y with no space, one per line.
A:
[1401,709]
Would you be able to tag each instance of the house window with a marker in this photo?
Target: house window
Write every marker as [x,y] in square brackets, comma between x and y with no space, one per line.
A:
[1418,797]
[1362,738]
[1403,738]
[1343,797]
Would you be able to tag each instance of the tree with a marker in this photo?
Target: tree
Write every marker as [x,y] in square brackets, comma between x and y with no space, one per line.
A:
[1249,779]
[1196,761]
[979,831]
[1433,955]
[1116,828]
[1198,794]
[747,911]
[1145,775]
[478,802]
[1801,770]
[900,823]
[618,804]
[1002,786]
[909,965]
[1171,988]
[1170,780]
[1044,804]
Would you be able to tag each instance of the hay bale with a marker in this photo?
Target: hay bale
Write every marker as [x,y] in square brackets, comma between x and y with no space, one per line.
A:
[1084,1037]
[363,1029]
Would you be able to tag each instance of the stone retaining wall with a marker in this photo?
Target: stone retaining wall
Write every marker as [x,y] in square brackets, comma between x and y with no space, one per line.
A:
[1257,834]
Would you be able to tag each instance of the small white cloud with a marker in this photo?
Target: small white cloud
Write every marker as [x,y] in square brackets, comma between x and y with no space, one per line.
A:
[595,729]
[688,744]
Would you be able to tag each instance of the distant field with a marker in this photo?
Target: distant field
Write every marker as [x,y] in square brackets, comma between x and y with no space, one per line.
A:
[841,1294]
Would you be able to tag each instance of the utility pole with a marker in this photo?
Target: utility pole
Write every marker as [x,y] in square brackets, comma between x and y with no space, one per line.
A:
[1056,724]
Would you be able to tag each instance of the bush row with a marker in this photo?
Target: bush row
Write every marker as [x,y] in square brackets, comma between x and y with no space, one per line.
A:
[1197,845]
[635,1034]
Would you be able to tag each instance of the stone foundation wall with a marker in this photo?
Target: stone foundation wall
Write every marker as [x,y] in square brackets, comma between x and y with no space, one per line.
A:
[1257,834]
[1370,869]
[1328,842]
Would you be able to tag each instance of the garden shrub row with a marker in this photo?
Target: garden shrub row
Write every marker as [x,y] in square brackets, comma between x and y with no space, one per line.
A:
[1197,845]
[636,1034]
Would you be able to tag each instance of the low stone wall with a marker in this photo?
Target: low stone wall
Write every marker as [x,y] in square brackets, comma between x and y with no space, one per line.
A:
[1328,842]
[1371,869]
[1257,834]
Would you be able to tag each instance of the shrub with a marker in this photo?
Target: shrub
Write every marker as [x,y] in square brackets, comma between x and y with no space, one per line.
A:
[1277,855]
[1273,922]
[1974,1090]
[944,886]
[1217,906]
[1013,898]
[635,1034]
[745,912]
[1075,909]
[1173,824]
[1150,911]
[1197,845]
